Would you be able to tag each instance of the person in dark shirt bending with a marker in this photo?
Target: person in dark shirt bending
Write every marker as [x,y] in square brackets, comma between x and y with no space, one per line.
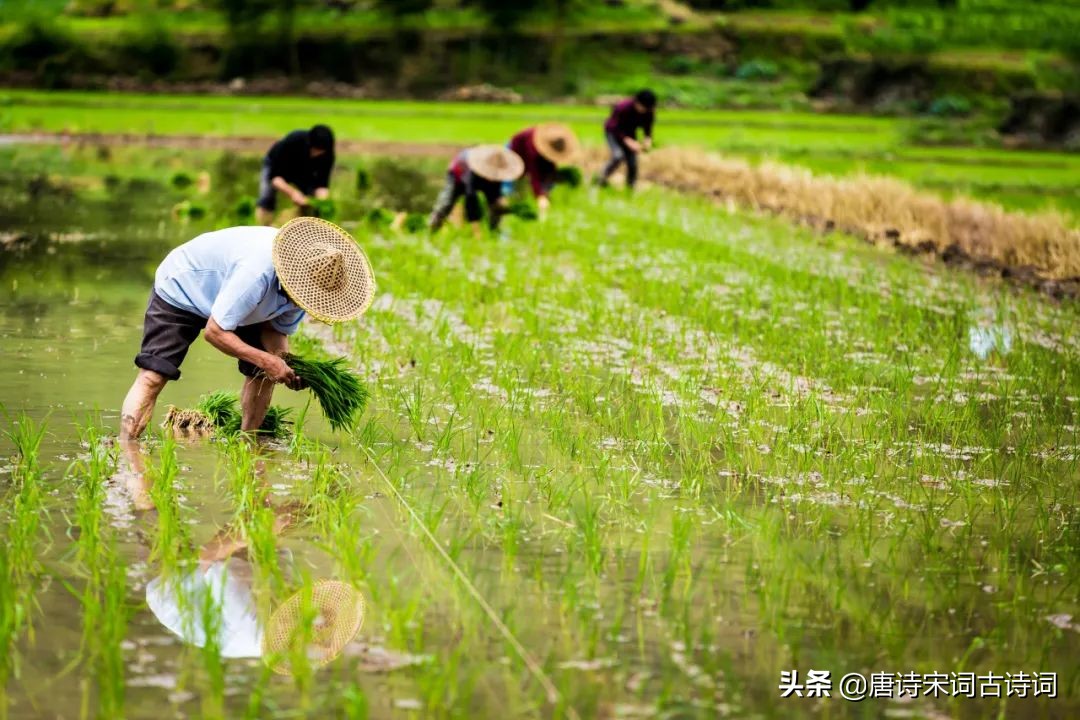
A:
[298,165]
[544,148]
[480,170]
[621,133]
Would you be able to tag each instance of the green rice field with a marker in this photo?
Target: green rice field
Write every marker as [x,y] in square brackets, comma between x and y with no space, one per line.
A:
[634,461]
[832,144]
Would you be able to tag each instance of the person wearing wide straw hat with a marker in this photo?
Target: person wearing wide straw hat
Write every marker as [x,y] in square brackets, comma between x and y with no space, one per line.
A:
[544,148]
[477,171]
[248,288]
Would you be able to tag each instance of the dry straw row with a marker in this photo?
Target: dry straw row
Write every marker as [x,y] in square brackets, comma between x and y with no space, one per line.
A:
[880,208]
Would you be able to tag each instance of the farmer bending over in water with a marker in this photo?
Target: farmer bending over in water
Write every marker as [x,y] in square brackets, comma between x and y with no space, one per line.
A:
[298,165]
[620,130]
[480,170]
[544,149]
[248,287]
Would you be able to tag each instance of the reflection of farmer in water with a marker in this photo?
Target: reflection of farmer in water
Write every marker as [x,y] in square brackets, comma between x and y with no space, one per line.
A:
[544,148]
[214,597]
[298,165]
[620,131]
[477,171]
[249,288]
[214,603]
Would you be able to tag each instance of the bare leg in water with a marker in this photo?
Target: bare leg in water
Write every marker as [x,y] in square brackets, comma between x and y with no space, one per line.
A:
[134,417]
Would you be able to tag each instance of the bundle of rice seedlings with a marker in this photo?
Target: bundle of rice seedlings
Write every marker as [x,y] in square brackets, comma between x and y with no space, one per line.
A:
[277,421]
[245,208]
[222,408]
[379,217]
[570,176]
[340,393]
[363,180]
[187,210]
[220,412]
[186,420]
[415,222]
[321,208]
[523,209]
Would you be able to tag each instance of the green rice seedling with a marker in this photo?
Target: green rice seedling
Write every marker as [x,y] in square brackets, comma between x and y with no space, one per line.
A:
[181,180]
[322,208]
[379,218]
[571,176]
[220,411]
[363,180]
[104,594]
[112,631]
[277,422]
[20,547]
[13,617]
[223,409]
[213,664]
[340,393]
[171,545]
[244,208]
[188,210]
[523,209]
[415,222]
[24,529]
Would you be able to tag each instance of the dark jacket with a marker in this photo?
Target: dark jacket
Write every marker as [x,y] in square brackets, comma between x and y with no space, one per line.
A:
[290,158]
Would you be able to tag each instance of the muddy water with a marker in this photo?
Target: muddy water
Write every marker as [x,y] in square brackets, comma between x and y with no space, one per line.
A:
[78,256]
[73,287]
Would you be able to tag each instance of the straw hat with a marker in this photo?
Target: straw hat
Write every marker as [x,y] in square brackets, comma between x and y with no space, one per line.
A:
[495,162]
[556,142]
[323,270]
[336,610]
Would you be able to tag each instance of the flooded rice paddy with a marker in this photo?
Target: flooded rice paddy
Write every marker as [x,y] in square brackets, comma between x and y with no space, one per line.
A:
[675,451]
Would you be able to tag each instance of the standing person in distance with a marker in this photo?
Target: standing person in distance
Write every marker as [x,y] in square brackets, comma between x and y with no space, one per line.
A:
[620,131]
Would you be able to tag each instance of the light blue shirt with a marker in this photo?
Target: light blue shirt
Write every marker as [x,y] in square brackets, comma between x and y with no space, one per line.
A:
[228,275]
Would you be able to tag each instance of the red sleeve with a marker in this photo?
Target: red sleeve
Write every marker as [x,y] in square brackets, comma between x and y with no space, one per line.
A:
[524,145]
[532,163]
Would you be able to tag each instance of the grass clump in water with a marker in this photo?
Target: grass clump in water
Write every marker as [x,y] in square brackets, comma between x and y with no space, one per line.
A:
[341,395]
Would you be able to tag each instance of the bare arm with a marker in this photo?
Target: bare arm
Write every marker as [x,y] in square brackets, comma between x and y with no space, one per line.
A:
[322,193]
[281,184]
[230,343]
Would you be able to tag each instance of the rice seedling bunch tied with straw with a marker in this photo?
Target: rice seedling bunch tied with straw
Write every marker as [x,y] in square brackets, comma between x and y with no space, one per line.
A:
[220,411]
[223,409]
[341,395]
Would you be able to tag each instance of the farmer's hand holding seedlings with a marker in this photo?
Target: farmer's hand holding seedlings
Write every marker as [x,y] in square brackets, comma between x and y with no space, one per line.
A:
[276,369]
[298,165]
[546,150]
[249,288]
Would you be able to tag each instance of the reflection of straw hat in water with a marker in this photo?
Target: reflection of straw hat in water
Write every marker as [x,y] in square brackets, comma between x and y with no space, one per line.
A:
[323,270]
[214,602]
[495,162]
[318,626]
[556,142]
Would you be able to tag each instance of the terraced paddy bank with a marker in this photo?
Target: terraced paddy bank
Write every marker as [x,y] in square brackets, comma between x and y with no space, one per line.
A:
[834,144]
[677,449]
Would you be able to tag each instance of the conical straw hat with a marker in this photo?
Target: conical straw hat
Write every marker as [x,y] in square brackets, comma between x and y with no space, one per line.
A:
[323,270]
[339,613]
[495,162]
[556,142]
